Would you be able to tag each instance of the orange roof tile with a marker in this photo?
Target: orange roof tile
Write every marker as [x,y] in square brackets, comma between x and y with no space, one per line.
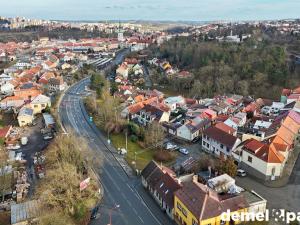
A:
[135,108]
[139,98]
[270,155]
[226,128]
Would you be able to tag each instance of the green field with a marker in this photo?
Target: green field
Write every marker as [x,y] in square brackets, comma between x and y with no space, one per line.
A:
[142,158]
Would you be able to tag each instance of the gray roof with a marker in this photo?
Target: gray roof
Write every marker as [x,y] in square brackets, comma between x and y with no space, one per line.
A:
[24,211]
[26,112]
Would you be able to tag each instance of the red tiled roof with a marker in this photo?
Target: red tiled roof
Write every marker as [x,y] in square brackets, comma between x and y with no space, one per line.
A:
[5,131]
[222,126]
[220,136]
[253,145]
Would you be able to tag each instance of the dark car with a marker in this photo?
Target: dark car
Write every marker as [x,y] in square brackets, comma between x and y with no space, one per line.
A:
[94,212]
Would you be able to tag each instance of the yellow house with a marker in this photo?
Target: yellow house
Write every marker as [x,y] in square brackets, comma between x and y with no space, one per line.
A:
[25,116]
[39,103]
[196,204]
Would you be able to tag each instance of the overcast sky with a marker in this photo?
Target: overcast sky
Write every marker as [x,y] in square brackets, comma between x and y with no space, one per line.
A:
[196,10]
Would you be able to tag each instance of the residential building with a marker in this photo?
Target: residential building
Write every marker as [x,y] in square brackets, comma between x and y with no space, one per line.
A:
[193,128]
[174,102]
[161,182]
[7,88]
[219,142]
[266,160]
[39,103]
[151,112]
[25,116]
[196,204]
[56,84]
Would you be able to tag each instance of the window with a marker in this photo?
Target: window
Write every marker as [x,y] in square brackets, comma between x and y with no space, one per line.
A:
[179,206]
[35,106]
[250,159]
[221,145]
[43,105]
[227,149]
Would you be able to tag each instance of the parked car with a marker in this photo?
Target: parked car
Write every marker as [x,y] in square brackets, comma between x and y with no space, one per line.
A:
[241,173]
[13,147]
[184,151]
[170,146]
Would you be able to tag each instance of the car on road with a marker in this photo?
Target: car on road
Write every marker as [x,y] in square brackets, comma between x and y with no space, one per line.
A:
[183,151]
[241,173]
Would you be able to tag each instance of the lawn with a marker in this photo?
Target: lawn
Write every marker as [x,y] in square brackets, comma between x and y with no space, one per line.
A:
[142,159]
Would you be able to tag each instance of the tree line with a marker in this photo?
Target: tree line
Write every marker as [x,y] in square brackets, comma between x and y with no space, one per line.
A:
[256,68]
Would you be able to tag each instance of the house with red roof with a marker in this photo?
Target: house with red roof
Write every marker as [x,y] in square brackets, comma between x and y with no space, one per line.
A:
[161,183]
[219,142]
[266,159]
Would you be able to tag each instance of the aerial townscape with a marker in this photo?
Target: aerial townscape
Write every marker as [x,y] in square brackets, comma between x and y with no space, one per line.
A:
[149,122]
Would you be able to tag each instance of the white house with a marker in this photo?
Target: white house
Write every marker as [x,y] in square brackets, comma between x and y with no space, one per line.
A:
[39,103]
[174,102]
[149,113]
[242,117]
[25,116]
[7,88]
[56,84]
[260,159]
[123,70]
[232,123]
[219,142]
[4,77]
[193,128]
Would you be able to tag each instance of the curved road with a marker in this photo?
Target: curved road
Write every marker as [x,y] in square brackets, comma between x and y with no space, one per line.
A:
[119,189]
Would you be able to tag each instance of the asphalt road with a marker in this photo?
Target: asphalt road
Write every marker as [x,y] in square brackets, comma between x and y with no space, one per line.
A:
[119,189]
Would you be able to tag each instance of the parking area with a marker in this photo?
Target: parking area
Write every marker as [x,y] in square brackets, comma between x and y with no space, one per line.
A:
[193,151]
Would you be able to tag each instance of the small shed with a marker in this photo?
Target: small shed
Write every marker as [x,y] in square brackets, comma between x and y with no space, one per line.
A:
[24,213]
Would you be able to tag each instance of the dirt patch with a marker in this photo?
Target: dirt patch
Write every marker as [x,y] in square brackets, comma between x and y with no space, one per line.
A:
[4,218]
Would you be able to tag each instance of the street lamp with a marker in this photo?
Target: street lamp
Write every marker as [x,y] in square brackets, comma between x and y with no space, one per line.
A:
[110,212]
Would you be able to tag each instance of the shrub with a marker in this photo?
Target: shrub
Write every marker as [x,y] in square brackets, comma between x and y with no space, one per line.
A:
[133,138]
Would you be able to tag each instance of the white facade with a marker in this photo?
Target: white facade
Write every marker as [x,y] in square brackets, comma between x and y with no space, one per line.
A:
[263,167]
[185,133]
[231,123]
[7,88]
[217,148]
